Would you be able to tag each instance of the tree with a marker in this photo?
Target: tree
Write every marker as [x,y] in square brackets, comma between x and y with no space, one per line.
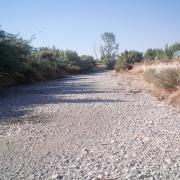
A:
[132,57]
[173,48]
[109,49]
[150,54]
[71,58]
[2,34]
[169,51]
[13,50]
[159,54]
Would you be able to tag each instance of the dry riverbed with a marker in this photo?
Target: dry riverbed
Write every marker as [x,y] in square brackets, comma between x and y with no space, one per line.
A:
[87,127]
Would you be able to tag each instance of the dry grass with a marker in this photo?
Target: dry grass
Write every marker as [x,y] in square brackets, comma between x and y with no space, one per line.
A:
[138,78]
[166,78]
[149,75]
[159,65]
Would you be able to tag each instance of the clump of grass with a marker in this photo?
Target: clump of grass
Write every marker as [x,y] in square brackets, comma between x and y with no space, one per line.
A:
[149,75]
[168,78]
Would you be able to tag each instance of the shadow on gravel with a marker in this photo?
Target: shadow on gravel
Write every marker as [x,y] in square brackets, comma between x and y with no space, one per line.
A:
[16,102]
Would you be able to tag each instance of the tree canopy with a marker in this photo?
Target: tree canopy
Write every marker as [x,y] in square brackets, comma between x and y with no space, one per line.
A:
[110,46]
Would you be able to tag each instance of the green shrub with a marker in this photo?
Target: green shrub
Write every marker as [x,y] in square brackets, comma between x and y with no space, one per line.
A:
[120,65]
[13,51]
[71,58]
[108,62]
[87,62]
[20,63]
[127,59]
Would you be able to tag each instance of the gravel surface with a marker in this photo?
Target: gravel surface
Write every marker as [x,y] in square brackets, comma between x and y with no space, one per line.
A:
[87,127]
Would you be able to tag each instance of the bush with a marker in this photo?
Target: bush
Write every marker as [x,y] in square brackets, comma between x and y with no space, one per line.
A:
[127,59]
[108,62]
[71,58]
[20,63]
[121,65]
[87,62]
[13,52]
[167,78]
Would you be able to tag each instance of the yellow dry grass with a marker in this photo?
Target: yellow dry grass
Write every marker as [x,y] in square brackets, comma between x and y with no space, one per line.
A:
[135,77]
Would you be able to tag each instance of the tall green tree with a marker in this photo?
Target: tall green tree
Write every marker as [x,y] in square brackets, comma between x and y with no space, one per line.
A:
[109,49]
[13,50]
[150,54]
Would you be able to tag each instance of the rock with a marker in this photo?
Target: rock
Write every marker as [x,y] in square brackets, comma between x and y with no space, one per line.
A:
[175,165]
[106,173]
[167,160]
[126,156]
[112,141]
[133,172]
[100,176]
[48,153]
[57,176]
[146,176]
[78,159]
[85,151]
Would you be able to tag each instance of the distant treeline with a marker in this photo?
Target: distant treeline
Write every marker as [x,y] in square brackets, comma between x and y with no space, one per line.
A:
[21,63]
[162,54]
[126,59]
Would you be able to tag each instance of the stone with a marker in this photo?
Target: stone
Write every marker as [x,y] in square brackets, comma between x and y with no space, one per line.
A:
[57,176]
[85,151]
[133,172]
[167,160]
[100,176]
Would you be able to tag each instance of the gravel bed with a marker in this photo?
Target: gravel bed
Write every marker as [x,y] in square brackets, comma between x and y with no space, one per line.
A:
[87,127]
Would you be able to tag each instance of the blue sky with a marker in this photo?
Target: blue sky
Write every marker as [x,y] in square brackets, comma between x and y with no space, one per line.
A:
[78,24]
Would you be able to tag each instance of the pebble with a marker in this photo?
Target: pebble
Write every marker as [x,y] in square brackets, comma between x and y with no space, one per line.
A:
[100,176]
[85,151]
[57,176]
[168,160]
[134,171]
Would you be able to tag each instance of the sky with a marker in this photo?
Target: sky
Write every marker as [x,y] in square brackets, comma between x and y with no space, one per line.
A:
[79,24]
